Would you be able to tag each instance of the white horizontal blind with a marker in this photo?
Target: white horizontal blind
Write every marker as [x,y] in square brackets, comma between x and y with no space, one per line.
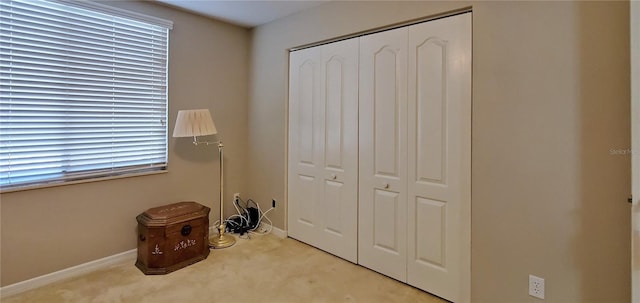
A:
[83,93]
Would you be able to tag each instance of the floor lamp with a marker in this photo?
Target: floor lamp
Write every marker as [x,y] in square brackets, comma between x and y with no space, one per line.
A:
[194,123]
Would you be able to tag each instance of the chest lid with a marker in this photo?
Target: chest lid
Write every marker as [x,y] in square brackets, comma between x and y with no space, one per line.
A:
[172,213]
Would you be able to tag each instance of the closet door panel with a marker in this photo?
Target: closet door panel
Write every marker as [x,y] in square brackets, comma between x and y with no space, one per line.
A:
[383,135]
[439,154]
[304,160]
[306,206]
[333,197]
[430,111]
[334,119]
[430,221]
[385,209]
[386,110]
[339,95]
[306,95]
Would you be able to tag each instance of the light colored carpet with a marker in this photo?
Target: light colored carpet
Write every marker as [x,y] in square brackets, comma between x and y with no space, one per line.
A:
[263,269]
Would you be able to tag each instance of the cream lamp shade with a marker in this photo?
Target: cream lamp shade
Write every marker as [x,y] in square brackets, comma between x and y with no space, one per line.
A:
[194,122]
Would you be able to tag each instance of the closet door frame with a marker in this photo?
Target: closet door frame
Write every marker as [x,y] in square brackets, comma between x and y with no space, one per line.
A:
[466,253]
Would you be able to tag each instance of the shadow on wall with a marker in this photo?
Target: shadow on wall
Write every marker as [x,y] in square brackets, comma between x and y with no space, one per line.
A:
[185,149]
[604,153]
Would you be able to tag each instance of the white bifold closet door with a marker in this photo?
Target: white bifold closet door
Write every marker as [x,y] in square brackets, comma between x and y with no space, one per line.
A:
[382,210]
[415,155]
[323,147]
[439,188]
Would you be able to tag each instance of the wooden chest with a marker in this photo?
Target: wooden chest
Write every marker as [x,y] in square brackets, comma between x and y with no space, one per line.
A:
[171,237]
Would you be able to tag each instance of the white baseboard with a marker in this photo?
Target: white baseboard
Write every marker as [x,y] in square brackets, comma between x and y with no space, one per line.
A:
[274,230]
[277,232]
[67,273]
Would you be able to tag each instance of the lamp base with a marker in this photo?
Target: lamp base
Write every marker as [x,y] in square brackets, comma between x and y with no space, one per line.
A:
[221,240]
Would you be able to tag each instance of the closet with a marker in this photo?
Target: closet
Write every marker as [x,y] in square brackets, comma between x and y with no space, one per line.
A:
[379,168]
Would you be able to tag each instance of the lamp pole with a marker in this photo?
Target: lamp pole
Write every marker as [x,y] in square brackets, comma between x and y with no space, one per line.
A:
[222,240]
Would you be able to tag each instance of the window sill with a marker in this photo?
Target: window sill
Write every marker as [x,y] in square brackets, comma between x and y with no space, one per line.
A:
[90,180]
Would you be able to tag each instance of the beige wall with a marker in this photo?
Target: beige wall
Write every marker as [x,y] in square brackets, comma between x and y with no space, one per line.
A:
[50,229]
[550,99]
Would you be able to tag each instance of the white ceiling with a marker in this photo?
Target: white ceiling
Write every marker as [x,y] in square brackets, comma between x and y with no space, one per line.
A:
[244,13]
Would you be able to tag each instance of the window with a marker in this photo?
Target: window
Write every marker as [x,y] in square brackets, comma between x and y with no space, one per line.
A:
[83,92]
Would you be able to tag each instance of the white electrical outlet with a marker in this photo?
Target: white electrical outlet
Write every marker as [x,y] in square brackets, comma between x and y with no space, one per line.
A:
[236,196]
[536,287]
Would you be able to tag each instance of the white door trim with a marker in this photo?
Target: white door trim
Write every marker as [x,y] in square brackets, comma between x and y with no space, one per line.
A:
[635,150]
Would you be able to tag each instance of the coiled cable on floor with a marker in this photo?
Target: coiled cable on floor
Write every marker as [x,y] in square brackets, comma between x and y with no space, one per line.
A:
[248,219]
